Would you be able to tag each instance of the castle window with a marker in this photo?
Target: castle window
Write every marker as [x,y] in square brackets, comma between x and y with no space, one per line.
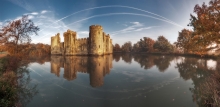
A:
[99,46]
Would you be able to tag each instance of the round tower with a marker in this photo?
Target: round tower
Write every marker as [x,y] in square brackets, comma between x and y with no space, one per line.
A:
[95,40]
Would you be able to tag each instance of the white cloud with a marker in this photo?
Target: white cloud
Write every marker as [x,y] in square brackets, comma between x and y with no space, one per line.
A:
[136,23]
[30,17]
[17,18]
[34,13]
[140,29]
[44,11]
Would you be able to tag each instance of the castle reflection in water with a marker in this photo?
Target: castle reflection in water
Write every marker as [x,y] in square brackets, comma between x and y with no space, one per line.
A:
[96,66]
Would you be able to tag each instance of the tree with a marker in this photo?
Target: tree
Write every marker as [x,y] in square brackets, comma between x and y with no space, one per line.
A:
[117,47]
[184,39]
[163,45]
[148,44]
[206,24]
[18,32]
[127,47]
[136,47]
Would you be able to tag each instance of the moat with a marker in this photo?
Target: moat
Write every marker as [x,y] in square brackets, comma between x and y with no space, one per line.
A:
[119,80]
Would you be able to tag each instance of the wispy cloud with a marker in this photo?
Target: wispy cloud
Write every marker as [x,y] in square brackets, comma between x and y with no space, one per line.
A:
[1,24]
[17,18]
[30,17]
[23,3]
[145,28]
[135,14]
[43,21]
[34,13]
[44,11]
[134,27]
[122,6]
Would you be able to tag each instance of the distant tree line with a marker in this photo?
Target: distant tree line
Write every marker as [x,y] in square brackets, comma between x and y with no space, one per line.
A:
[146,45]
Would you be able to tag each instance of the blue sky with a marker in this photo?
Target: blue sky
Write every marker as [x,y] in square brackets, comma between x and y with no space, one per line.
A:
[124,20]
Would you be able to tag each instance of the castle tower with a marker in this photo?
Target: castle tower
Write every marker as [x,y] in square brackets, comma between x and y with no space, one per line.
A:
[69,42]
[55,44]
[96,40]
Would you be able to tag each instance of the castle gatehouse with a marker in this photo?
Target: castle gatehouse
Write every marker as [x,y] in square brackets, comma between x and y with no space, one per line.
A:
[98,43]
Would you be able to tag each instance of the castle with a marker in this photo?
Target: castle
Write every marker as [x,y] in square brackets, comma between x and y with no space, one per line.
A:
[98,43]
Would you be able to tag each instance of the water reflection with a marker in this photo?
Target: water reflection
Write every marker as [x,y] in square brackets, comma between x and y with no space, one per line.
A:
[96,66]
[205,79]
[148,61]
[205,75]
[129,80]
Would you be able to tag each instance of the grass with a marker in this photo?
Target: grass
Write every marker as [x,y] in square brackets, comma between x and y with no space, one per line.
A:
[3,54]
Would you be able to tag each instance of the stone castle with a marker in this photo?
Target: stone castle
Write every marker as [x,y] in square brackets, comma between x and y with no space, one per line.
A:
[98,43]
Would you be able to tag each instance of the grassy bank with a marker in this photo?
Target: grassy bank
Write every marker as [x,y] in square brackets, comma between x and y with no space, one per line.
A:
[7,84]
[3,55]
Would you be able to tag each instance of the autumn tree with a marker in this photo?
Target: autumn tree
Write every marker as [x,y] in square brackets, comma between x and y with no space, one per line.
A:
[163,45]
[127,47]
[184,39]
[116,48]
[148,44]
[206,24]
[136,47]
[17,32]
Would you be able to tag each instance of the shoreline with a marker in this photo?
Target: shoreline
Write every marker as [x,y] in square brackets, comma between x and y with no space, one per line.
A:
[173,54]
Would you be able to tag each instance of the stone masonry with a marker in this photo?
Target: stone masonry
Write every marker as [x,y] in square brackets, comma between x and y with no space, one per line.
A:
[98,43]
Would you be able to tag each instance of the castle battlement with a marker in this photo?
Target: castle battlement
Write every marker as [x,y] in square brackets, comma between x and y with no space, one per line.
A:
[98,43]
[97,27]
[69,33]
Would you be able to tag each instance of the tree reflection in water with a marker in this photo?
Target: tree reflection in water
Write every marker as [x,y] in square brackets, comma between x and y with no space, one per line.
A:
[206,90]
[25,91]
[206,80]
[148,61]
[16,90]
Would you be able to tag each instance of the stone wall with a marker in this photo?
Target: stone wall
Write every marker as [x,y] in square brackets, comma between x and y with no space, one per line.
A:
[98,43]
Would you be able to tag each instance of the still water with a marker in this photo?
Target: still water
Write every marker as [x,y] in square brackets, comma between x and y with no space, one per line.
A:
[119,80]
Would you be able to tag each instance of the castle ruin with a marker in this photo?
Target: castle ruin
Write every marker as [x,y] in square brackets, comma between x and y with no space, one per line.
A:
[98,43]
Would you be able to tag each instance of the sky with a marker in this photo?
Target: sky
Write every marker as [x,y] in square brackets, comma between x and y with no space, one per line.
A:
[124,20]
